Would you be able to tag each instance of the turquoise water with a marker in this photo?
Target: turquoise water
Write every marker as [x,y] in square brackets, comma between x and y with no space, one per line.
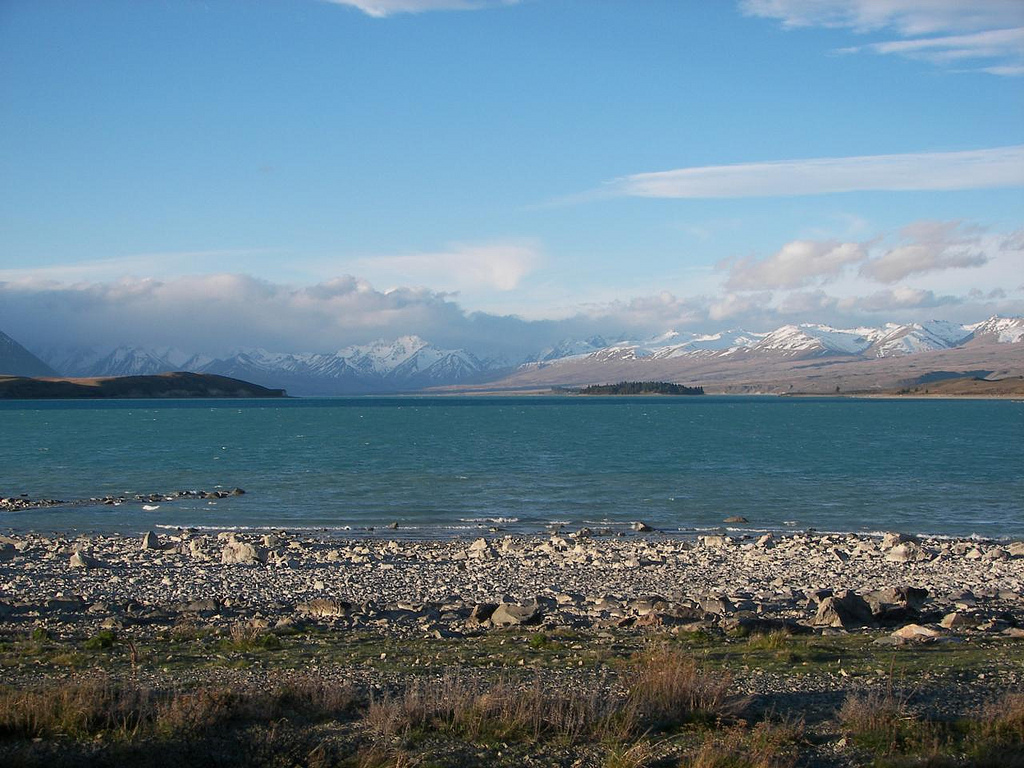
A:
[444,466]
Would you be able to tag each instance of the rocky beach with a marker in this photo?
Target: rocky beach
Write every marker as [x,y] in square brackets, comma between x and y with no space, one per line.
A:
[798,623]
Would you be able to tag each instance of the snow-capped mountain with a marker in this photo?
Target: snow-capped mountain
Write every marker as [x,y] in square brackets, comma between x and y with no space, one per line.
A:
[410,363]
[1002,330]
[570,348]
[407,363]
[797,341]
[120,361]
[404,364]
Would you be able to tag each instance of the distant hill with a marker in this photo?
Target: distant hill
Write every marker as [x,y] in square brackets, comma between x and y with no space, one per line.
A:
[15,360]
[974,386]
[164,385]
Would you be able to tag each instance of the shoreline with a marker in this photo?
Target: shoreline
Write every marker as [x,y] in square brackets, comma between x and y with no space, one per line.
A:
[793,629]
[769,575]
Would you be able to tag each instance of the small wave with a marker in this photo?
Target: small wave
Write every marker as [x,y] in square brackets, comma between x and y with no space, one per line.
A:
[150,507]
[496,520]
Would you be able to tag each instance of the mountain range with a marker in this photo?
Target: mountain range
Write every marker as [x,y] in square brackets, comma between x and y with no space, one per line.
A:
[735,360]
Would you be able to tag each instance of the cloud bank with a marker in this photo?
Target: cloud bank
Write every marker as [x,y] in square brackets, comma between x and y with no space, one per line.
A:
[925,171]
[845,283]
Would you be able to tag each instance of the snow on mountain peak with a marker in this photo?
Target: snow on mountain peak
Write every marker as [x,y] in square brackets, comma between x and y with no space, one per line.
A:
[1006,330]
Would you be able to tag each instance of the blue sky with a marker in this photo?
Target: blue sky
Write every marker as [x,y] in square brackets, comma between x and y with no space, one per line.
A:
[303,174]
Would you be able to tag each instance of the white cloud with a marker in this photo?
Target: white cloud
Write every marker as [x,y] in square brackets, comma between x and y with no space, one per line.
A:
[928,246]
[382,8]
[972,169]
[907,17]
[738,305]
[939,31]
[1005,45]
[796,264]
[897,299]
[161,264]
[500,266]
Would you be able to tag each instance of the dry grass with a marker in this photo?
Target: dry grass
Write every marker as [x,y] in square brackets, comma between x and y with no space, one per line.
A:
[659,691]
[99,707]
[474,709]
[997,741]
[78,710]
[667,689]
[636,755]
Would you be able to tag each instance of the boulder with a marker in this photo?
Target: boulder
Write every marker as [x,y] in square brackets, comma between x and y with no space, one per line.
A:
[958,620]
[482,612]
[716,605]
[845,609]
[736,519]
[242,553]
[195,549]
[715,542]
[150,541]
[915,633]
[896,605]
[511,614]
[479,550]
[892,539]
[641,527]
[908,552]
[1016,549]
[81,560]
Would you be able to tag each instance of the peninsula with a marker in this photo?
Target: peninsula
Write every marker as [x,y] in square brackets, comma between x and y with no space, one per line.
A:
[163,385]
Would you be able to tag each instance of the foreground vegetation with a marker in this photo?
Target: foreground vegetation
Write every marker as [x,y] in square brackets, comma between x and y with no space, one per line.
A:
[243,695]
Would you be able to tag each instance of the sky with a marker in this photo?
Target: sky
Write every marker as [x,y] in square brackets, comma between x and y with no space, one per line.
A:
[300,175]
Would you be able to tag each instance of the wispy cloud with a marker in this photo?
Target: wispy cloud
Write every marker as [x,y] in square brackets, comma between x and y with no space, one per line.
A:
[1002,45]
[985,33]
[908,17]
[500,266]
[972,169]
[150,265]
[383,8]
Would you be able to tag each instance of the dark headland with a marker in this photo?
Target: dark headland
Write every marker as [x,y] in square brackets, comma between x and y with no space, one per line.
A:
[163,385]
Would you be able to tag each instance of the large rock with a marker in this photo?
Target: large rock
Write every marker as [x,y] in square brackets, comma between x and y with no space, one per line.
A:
[1016,549]
[150,541]
[845,609]
[715,542]
[896,605]
[237,552]
[510,614]
[890,540]
[908,552]
[915,633]
[482,612]
[81,560]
